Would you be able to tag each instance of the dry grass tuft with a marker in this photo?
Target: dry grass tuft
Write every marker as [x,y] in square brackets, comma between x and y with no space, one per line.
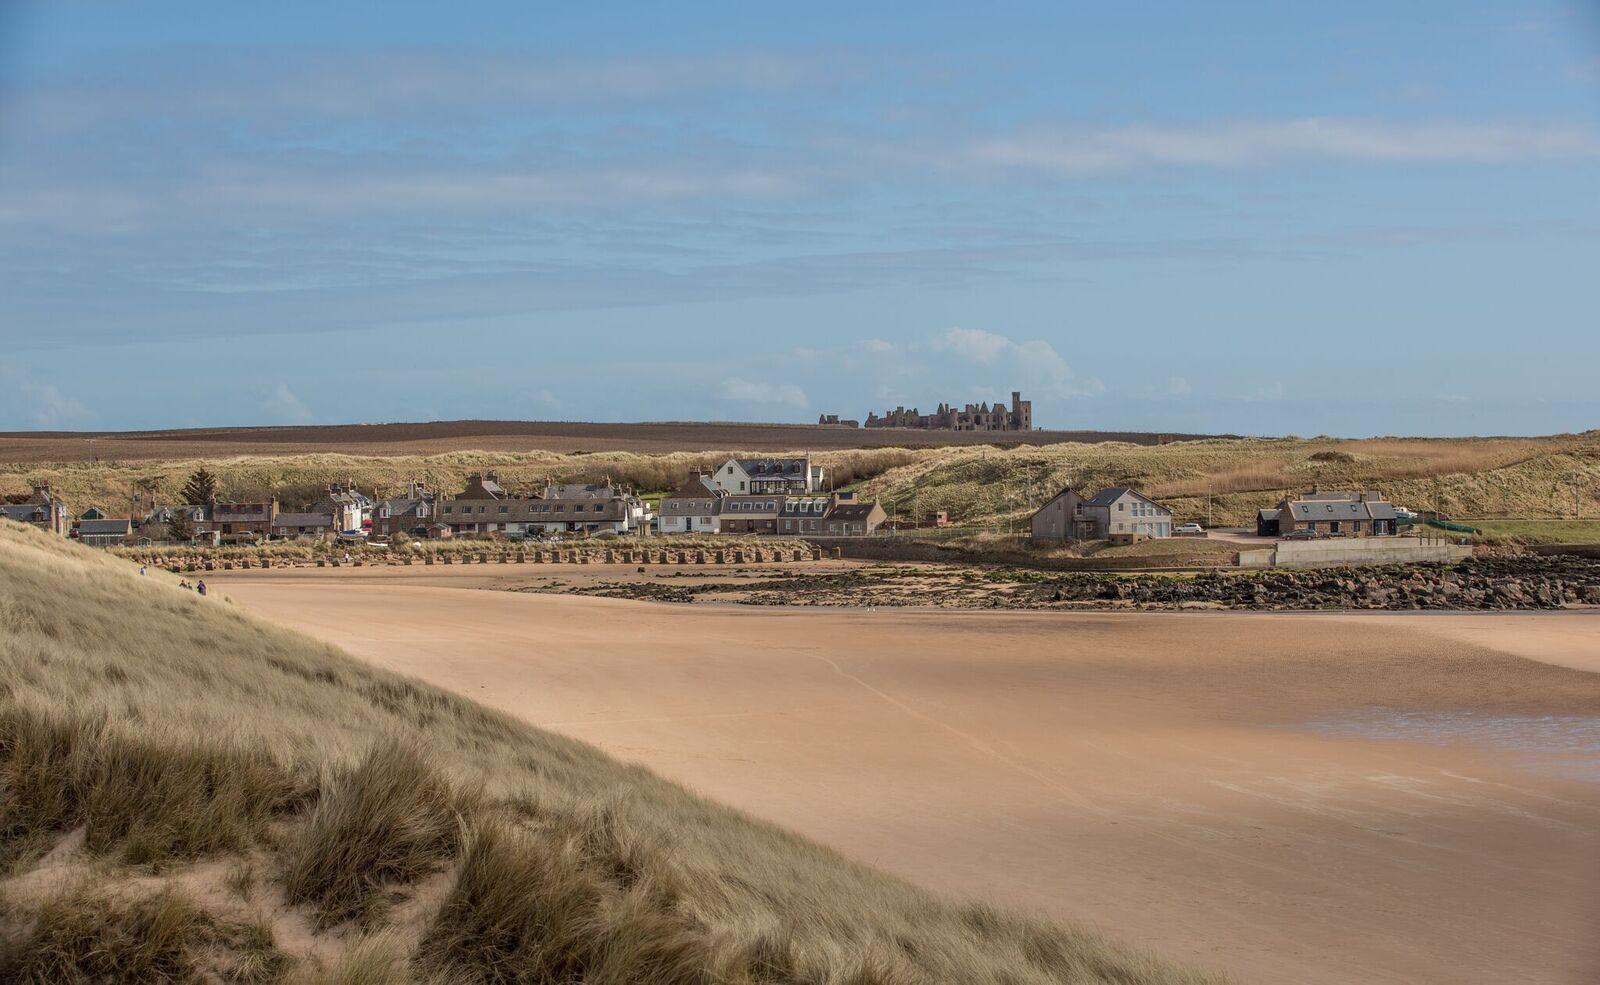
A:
[390,820]
[537,906]
[150,801]
[89,936]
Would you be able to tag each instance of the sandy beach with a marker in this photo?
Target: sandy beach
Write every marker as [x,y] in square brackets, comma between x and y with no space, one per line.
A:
[1322,798]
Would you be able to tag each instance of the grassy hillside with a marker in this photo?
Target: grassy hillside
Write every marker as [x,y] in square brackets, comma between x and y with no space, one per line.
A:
[189,794]
[1521,478]
[1474,477]
[301,478]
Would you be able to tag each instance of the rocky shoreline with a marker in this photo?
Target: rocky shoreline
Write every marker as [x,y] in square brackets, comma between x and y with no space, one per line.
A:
[1479,583]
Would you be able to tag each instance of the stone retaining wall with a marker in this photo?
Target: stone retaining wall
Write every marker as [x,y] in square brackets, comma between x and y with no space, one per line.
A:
[583,555]
[1365,550]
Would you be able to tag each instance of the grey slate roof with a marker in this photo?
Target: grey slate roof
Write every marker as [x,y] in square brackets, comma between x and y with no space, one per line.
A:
[787,469]
[304,520]
[1111,494]
[805,506]
[24,512]
[402,505]
[105,528]
[757,504]
[851,511]
[1325,507]
[1107,496]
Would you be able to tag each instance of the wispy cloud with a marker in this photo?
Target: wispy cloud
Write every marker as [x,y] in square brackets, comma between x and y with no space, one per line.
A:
[26,399]
[740,390]
[281,406]
[1255,144]
[1033,363]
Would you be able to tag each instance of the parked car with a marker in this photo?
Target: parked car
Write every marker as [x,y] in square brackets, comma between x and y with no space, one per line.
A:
[1404,514]
[1302,534]
[1188,528]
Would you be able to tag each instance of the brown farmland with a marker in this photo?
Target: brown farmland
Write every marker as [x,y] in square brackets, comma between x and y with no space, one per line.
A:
[1290,797]
[438,437]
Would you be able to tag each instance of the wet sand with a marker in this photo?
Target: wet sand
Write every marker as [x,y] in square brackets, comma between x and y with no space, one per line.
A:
[1288,797]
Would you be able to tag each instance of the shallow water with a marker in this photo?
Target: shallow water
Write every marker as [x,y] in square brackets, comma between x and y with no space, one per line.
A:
[1563,745]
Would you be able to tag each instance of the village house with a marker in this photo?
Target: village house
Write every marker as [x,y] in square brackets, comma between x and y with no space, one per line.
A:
[103,532]
[848,517]
[303,526]
[804,515]
[742,476]
[409,514]
[235,523]
[485,508]
[589,508]
[695,507]
[1337,514]
[41,509]
[350,508]
[157,524]
[1114,513]
[744,514]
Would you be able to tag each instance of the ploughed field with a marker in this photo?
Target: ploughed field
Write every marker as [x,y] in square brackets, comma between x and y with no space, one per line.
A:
[437,437]
[1307,797]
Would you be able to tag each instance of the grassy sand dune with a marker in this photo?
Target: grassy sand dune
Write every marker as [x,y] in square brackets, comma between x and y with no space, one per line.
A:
[1523,478]
[188,793]
[1474,477]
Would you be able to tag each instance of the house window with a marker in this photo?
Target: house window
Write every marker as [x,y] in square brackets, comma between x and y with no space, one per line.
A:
[1122,507]
[500,509]
[741,487]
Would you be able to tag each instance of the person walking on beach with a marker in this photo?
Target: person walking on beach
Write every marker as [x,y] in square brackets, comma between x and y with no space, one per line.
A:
[201,586]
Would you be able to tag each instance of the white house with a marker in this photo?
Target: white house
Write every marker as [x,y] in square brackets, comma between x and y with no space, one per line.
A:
[758,476]
[695,508]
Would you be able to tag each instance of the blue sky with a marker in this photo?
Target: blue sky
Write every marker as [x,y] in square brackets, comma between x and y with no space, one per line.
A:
[1264,218]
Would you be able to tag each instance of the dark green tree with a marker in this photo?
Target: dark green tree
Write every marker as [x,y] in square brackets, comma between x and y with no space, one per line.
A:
[179,528]
[201,489]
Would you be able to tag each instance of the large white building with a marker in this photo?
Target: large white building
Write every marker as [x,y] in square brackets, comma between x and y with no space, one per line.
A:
[756,476]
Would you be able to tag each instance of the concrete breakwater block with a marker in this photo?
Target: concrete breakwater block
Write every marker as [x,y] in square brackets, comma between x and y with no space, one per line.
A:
[448,559]
[322,562]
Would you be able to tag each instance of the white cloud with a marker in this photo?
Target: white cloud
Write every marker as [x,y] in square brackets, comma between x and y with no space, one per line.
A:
[40,404]
[283,407]
[1246,144]
[974,343]
[745,391]
[1033,364]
